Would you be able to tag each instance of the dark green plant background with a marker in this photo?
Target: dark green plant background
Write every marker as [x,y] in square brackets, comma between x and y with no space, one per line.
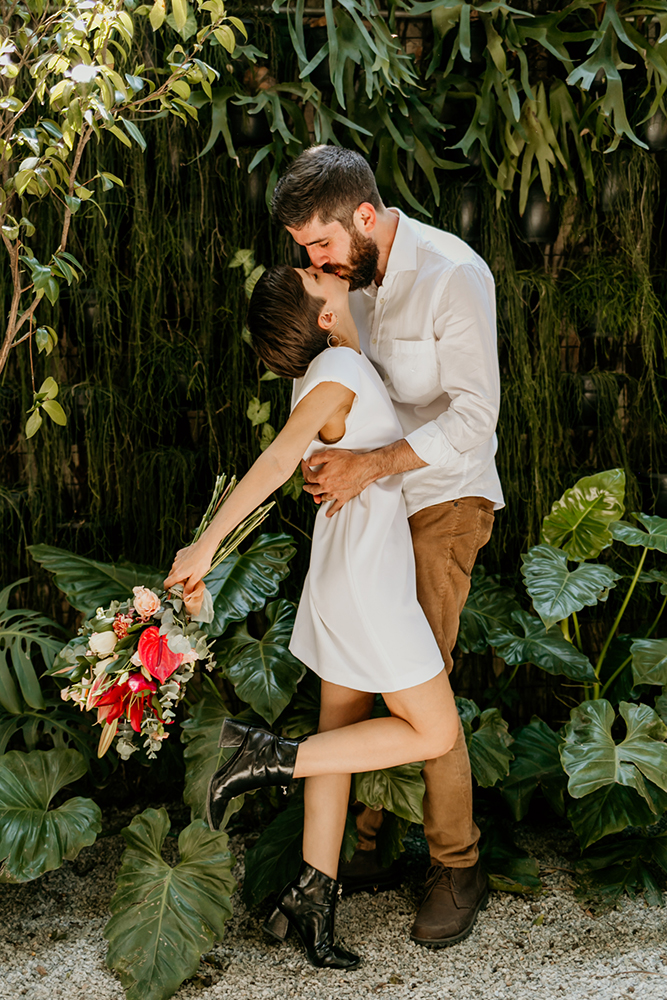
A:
[156,378]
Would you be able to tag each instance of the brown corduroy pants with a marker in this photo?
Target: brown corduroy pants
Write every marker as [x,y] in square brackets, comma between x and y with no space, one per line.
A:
[446,539]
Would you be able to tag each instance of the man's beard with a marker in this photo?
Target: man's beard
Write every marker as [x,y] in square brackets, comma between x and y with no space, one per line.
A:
[361,265]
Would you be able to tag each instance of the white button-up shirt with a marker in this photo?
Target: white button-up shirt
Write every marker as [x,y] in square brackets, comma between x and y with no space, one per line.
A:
[430,331]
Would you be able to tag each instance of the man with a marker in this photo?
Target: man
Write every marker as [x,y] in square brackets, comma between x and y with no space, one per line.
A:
[424,305]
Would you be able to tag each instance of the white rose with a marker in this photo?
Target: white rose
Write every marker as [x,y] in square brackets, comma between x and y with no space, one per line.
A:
[146,603]
[102,643]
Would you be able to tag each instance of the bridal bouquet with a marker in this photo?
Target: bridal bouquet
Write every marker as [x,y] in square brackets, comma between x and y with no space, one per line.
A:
[132,661]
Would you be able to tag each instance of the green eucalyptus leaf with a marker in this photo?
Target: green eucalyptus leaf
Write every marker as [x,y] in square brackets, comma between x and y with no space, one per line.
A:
[263,671]
[243,582]
[593,759]
[649,661]
[88,584]
[33,838]
[276,857]
[536,764]
[399,790]
[489,606]
[580,521]
[546,648]
[556,591]
[654,537]
[164,917]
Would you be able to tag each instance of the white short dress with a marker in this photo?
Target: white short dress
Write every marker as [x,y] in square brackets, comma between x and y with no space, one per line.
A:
[359,623]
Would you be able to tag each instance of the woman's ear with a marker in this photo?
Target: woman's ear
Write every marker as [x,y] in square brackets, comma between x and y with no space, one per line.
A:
[327,320]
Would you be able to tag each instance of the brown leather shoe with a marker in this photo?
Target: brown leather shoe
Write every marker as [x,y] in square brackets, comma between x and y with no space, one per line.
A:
[452,899]
[363,873]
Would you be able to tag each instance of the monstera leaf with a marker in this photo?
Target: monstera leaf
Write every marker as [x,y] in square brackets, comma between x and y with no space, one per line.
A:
[593,759]
[653,537]
[243,582]
[164,918]
[263,671]
[546,648]
[556,591]
[612,809]
[276,857]
[536,764]
[400,790]
[580,521]
[20,631]
[489,606]
[487,744]
[33,838]
[649,661]
[203,757]
[88,584]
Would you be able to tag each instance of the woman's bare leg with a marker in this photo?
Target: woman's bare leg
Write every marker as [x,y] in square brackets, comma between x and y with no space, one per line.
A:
[424,724]
[326,796]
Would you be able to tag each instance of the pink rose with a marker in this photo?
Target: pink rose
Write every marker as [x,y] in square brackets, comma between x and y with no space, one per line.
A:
[145,601]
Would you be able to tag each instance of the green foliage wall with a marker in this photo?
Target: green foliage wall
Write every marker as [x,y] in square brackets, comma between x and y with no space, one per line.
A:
[157,378]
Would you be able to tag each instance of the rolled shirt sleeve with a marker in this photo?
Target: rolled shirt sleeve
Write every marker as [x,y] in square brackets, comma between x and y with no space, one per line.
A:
[465,333]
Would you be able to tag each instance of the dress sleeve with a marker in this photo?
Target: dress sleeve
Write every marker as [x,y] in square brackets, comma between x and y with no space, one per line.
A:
[335,364]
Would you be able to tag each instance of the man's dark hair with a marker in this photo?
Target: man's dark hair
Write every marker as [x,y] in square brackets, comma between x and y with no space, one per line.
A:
[282,319]
[325,182]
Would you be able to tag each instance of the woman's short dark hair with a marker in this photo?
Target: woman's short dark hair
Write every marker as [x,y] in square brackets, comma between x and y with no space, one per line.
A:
[324,182]
[282,319]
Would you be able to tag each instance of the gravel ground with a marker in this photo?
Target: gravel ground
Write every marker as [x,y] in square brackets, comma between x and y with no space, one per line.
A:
[546,947]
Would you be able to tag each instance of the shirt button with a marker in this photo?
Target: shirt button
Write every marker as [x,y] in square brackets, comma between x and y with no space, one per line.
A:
[381,302]
[374,340]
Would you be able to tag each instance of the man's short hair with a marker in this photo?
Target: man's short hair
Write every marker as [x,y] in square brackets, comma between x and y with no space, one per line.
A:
[282,319]
[324,182]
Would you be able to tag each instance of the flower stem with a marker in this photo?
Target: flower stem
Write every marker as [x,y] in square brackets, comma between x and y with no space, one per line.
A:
[577,630]
[657,619]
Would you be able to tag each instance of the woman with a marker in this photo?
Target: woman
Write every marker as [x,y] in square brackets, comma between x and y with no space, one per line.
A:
[358,626]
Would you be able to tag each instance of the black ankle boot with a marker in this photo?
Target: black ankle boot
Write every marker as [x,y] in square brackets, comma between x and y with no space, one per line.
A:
[309,905]
[261,759]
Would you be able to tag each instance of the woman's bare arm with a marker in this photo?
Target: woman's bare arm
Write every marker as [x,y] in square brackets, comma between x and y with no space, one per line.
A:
[273,468]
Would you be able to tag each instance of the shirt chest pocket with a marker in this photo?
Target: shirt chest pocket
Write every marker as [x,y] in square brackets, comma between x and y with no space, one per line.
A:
[414,370]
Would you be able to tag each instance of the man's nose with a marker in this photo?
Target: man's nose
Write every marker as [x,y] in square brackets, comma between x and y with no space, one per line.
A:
[318,256]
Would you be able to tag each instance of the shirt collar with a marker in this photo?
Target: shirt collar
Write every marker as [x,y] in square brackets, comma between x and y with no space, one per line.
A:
[403,253]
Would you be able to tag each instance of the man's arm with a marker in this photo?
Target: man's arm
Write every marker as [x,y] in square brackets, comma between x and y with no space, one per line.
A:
[344,474]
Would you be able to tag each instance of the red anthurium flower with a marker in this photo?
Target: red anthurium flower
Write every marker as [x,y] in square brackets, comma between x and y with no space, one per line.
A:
[156,655]
[127,699]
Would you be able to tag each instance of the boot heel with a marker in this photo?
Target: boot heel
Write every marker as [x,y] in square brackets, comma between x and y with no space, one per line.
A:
[277,926]
[233,733]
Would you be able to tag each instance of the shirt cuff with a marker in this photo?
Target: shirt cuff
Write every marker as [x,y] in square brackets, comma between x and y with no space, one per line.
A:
[430,444]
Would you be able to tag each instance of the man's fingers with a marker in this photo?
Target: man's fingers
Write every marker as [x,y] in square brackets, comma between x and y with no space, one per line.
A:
[314,488]
[335,507]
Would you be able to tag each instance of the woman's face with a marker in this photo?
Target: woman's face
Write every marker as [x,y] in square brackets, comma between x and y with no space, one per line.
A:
[321,285]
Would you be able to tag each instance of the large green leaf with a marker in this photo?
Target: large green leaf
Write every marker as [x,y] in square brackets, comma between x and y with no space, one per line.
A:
[654,537]
[65,727]
[487,744]
[88,584]
[20,631]
[621,864]
[612,809]
[649,661]
[276,857]
[592,758]
[389,838]
[244,582]
[509,868]
[302,715]
[203,756]
[556,591]
[33,838]
[263,671]
[489,606]
[546,648]
[164,918]
[579,522]
[399,790]
[536,764]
